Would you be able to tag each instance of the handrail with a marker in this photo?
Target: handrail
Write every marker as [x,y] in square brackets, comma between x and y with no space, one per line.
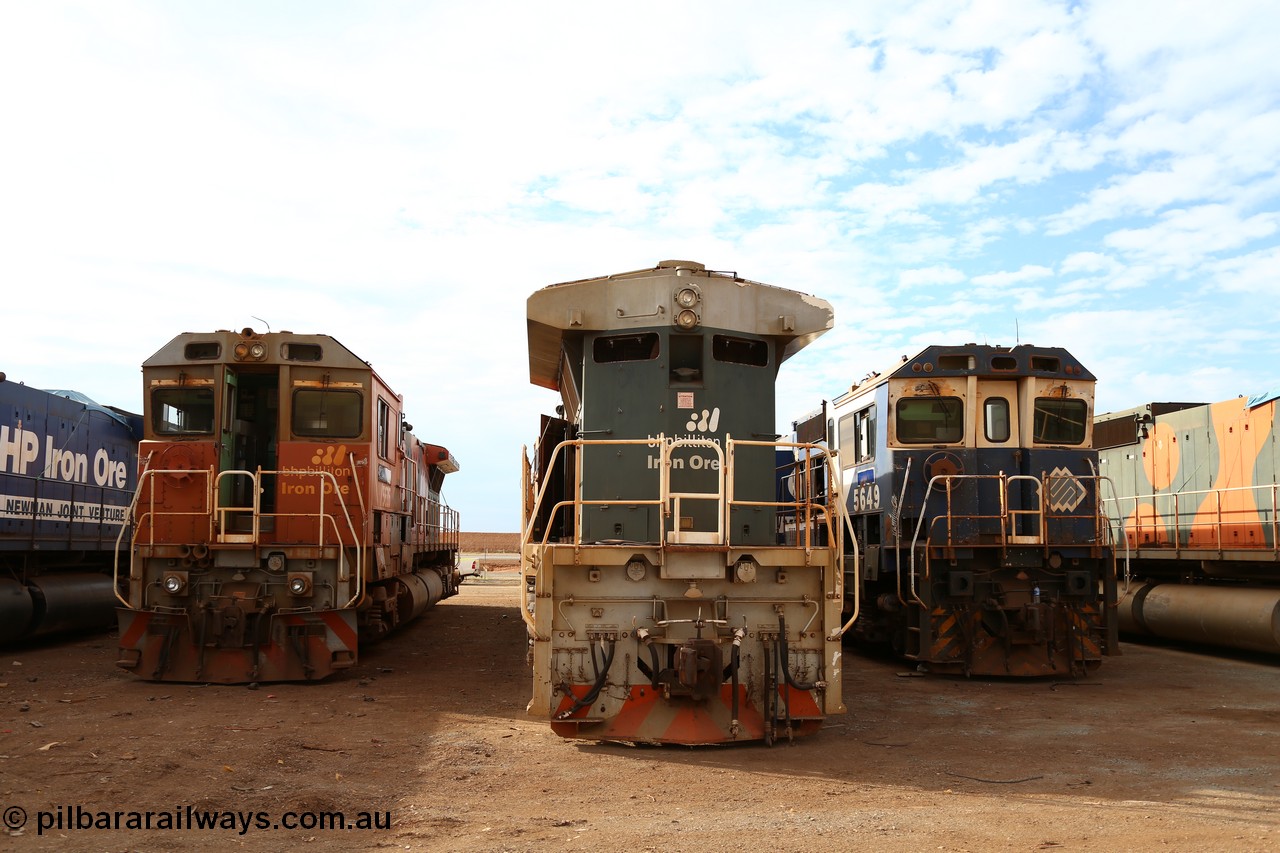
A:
[145,475]
[896,529]
[1168,529]
[322,516]
[725,486]
[364,514]
[220,511]
[1012,514]
[1114,526]
[213,509]
[843,510]
[668,497]
[1005,517]
[132,527]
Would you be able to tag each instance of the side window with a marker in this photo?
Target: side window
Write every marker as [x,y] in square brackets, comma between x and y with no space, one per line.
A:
[1060,421]
[995,419]
[858,437]
[930,420]
[848,442]
[866,434]
[384,429]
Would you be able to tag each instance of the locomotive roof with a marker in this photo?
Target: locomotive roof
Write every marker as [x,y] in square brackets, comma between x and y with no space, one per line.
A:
[21,391]
[977,360]
[643,299]
[175,352]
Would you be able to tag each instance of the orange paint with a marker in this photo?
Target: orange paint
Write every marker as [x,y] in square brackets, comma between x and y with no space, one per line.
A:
[1143,527]
[1161,456]
[1228,518]
[646,716]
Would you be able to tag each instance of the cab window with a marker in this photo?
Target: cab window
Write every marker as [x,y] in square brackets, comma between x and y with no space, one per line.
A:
[739,351]
[1060,421]
[995,419]
[182,411]
[327,413]
[640,347]
[930,420]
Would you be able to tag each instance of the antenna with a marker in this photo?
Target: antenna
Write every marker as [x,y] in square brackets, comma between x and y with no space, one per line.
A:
[1017,333]
[263,322]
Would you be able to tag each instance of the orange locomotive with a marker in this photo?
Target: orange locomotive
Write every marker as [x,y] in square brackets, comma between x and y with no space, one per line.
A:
[1197,493]
[284,510]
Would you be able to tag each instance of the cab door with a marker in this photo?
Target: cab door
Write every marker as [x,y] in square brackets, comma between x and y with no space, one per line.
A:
[227,436]
[998,418]
[998,437]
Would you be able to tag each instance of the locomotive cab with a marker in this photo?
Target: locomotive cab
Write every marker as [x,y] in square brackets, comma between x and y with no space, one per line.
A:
[284,510]
[973,491]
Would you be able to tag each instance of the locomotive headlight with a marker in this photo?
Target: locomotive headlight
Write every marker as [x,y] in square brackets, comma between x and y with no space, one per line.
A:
[250,351]
[687,297]
[300,583]
[687,319]
[174,582]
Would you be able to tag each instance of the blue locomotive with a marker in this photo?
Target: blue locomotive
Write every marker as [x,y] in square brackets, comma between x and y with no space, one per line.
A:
[67,473]
[972,488]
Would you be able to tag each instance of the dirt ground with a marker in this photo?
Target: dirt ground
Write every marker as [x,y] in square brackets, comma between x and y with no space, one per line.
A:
[1162,749]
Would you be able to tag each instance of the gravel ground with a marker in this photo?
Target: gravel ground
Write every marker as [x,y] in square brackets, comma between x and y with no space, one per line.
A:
[1161,749]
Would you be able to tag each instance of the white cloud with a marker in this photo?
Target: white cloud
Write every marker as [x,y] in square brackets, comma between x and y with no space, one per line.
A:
[1030,272]
[1182,239]
[1256,274]
[939,274]
[403,177]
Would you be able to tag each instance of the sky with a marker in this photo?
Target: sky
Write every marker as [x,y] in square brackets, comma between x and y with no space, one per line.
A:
[1100,176]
